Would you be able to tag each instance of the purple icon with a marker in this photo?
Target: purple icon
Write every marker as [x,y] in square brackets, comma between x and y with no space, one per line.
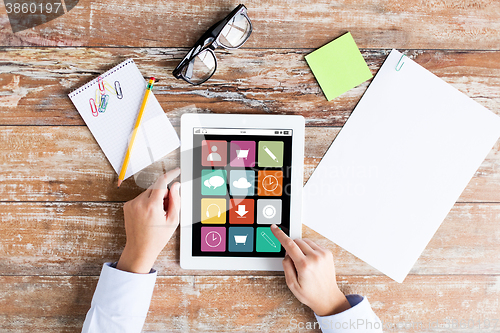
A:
[242,153]
[213,239]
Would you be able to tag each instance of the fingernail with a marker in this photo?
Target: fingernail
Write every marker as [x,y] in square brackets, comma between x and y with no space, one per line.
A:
[273,226]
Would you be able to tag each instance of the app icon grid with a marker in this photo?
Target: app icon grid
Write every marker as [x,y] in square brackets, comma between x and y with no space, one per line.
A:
[239,175]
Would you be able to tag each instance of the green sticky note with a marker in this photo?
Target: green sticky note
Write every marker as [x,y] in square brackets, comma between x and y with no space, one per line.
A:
[338,66]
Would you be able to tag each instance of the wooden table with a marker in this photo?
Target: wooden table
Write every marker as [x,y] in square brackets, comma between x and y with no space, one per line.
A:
[61,214]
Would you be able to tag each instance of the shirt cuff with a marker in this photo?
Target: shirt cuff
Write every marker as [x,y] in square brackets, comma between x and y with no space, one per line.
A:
[359,318]
[134,291]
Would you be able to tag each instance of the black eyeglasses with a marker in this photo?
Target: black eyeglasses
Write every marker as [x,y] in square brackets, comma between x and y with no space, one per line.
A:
[200,63]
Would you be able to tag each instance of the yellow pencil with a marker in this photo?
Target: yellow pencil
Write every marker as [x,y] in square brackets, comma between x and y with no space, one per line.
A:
[134,132]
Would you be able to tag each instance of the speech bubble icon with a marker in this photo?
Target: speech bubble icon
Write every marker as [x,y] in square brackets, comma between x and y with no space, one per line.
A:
[215,181]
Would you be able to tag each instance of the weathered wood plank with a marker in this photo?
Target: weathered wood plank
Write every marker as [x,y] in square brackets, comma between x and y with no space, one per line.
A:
[253,304]
[414,24]
[34,83]
[457,276]
[40,163]
[76,238]
[64,163]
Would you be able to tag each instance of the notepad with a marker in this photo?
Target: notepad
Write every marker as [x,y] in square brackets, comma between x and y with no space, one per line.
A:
[398,165]
[109,105]
[338,66]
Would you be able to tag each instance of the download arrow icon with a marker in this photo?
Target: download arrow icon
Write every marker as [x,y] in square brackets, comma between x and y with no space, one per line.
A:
[241,210]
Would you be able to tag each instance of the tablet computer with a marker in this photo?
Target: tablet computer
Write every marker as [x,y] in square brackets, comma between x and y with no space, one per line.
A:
[239,175]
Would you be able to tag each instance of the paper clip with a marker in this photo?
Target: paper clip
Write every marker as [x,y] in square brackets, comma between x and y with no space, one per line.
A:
[104,103]
[97,98]
[109,88]
[100,84]
[118,90]
[93,107]
[398,66]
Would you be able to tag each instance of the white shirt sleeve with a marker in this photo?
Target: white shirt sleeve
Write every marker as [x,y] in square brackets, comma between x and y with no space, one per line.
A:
[359,318]
[121,301]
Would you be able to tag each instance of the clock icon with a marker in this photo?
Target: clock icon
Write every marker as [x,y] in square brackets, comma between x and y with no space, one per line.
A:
[213,239]
[270,183]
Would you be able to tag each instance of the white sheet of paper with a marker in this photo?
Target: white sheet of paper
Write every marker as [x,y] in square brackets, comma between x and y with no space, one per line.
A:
[112,129]
[397,167]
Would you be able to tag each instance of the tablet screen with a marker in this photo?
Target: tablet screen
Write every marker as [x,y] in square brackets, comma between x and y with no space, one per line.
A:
[241,185]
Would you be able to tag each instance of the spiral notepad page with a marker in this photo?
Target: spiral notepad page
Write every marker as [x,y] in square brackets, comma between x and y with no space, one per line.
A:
[109,105]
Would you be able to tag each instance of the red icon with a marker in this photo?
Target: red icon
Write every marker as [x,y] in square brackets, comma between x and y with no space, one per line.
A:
[213,153]
[241,211]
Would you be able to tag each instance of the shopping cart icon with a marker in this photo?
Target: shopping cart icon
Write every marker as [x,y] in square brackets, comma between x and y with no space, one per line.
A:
[240,239]
[242,153]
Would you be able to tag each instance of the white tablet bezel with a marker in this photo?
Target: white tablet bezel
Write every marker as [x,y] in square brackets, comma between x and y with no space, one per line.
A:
[188,123]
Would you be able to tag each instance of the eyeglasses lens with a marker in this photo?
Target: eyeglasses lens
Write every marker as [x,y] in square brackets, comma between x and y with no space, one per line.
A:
[235,32]
[203,65]
[200,68]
